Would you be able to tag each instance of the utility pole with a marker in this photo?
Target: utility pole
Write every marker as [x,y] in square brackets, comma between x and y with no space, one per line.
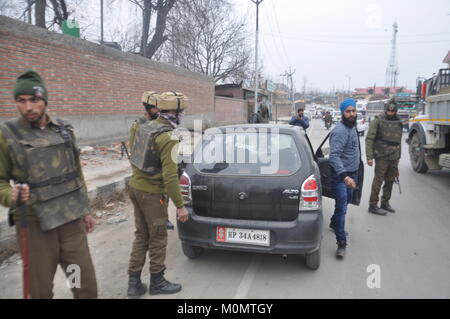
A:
[288,75]
[349,83]
[257,2]
[101,21]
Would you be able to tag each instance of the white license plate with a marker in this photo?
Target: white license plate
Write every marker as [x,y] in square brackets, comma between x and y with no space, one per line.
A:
[243,236]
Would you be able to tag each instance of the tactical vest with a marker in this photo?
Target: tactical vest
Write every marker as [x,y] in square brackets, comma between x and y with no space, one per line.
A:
[144,152]
[389,137]
[49,162]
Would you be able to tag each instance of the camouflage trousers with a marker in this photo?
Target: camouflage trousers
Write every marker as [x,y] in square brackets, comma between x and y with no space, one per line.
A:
[385,171]
[150,215]
[65,245]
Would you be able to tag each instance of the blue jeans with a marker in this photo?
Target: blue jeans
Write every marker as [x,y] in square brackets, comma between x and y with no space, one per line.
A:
[343,197]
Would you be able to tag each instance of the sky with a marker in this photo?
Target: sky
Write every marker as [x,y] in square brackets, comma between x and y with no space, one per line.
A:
[337,43]
[332,44]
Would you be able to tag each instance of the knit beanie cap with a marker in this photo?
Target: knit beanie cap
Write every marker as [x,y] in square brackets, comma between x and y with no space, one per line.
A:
[30,83]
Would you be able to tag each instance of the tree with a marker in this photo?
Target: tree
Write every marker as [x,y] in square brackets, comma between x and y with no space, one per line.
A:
[60,11]
[161,9]
[205,38]
[39,13]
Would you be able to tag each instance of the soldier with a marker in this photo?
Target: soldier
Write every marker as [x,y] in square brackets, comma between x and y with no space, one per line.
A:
[39,154]
[152,113]
[153,181]
[383,143]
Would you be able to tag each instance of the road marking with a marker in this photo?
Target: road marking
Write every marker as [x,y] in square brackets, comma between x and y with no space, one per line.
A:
[248,278]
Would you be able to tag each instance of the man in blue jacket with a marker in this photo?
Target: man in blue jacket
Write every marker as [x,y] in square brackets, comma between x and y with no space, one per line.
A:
[300,119]
[345,158]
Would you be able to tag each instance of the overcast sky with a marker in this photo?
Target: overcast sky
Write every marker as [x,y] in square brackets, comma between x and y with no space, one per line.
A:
[330,41]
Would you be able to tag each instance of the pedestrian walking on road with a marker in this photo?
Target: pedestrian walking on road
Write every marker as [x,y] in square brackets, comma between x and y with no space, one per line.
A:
[39,154]
[345,158]
[383,143]
[300,119]
[153,182]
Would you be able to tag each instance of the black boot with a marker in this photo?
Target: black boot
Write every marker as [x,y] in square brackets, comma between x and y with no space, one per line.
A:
[159,285]
[340,252]
[135,286]
[377,211]
[387,207]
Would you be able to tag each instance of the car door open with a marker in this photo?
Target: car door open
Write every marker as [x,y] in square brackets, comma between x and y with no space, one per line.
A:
[323,161]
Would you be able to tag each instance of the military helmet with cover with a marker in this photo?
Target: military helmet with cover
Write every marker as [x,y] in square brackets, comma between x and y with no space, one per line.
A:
[169,101]
[149,98]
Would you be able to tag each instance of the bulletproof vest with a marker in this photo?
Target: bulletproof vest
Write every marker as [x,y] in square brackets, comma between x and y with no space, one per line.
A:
[49,161]
[389,136]
[144,153]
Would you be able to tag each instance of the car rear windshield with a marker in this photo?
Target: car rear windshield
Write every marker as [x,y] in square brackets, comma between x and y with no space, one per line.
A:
[246,153]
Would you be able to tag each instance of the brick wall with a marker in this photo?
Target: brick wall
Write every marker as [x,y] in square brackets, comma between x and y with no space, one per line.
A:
[85,79]
[230,111]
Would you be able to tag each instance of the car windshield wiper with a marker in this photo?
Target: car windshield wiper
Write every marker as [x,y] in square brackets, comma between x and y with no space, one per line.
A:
[217,168]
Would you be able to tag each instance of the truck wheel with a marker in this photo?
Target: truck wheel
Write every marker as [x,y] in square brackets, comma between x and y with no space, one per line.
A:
[417,155]
[313,260]
[190,251]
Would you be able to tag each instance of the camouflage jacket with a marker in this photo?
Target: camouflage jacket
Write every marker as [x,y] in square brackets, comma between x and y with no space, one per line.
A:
[375,148]
[10,171]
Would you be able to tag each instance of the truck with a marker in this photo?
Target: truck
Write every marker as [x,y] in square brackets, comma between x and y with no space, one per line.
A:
[429,131]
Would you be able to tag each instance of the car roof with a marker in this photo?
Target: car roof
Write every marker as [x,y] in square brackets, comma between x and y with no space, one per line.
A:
[282,127]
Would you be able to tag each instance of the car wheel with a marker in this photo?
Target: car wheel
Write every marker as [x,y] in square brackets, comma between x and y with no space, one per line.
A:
[190,251]
[313,260]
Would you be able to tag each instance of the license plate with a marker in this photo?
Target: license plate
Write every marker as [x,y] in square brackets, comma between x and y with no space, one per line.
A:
[243,236]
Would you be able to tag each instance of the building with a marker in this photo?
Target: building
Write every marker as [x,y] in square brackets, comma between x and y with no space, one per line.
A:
[447,59]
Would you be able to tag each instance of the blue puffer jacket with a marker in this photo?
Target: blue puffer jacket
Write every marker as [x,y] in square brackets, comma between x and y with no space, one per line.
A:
[345,153]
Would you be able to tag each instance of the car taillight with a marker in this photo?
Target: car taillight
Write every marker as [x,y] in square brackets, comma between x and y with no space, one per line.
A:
[185,187]
[310,197]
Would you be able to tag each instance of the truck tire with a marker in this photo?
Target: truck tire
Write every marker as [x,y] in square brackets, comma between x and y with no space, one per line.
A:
[190,251]
[417,154]
[312,260]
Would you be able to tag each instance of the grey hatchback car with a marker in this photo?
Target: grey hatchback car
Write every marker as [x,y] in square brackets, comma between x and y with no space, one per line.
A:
[255,188]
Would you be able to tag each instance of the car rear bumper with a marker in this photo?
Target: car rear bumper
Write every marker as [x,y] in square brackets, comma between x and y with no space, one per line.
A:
[300,236]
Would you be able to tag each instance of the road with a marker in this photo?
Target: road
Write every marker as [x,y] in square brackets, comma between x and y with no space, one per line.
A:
[409,248]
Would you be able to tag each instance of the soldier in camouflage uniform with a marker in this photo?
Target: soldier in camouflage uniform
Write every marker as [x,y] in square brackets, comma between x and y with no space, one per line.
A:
[39,154]
[383,143]
[153,182]
[151,114]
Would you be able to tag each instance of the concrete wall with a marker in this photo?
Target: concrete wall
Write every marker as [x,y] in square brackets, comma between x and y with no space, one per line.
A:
[230,111]
[96,87]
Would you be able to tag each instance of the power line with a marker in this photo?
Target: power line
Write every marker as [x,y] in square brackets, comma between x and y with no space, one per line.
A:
[279,30]
[279,53]
[300,38]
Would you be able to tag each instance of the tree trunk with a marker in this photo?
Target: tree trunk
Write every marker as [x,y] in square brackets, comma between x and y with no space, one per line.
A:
[40,13]
[146,18]
[158,37]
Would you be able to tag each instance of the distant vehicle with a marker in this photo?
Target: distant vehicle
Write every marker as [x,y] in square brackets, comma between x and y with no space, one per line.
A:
[336,116]
[238,206]
[361,124]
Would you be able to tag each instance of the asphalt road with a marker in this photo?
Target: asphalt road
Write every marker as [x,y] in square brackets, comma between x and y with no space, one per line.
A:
[409,250]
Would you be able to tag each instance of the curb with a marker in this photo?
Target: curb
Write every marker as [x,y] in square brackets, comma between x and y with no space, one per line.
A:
[8,242]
